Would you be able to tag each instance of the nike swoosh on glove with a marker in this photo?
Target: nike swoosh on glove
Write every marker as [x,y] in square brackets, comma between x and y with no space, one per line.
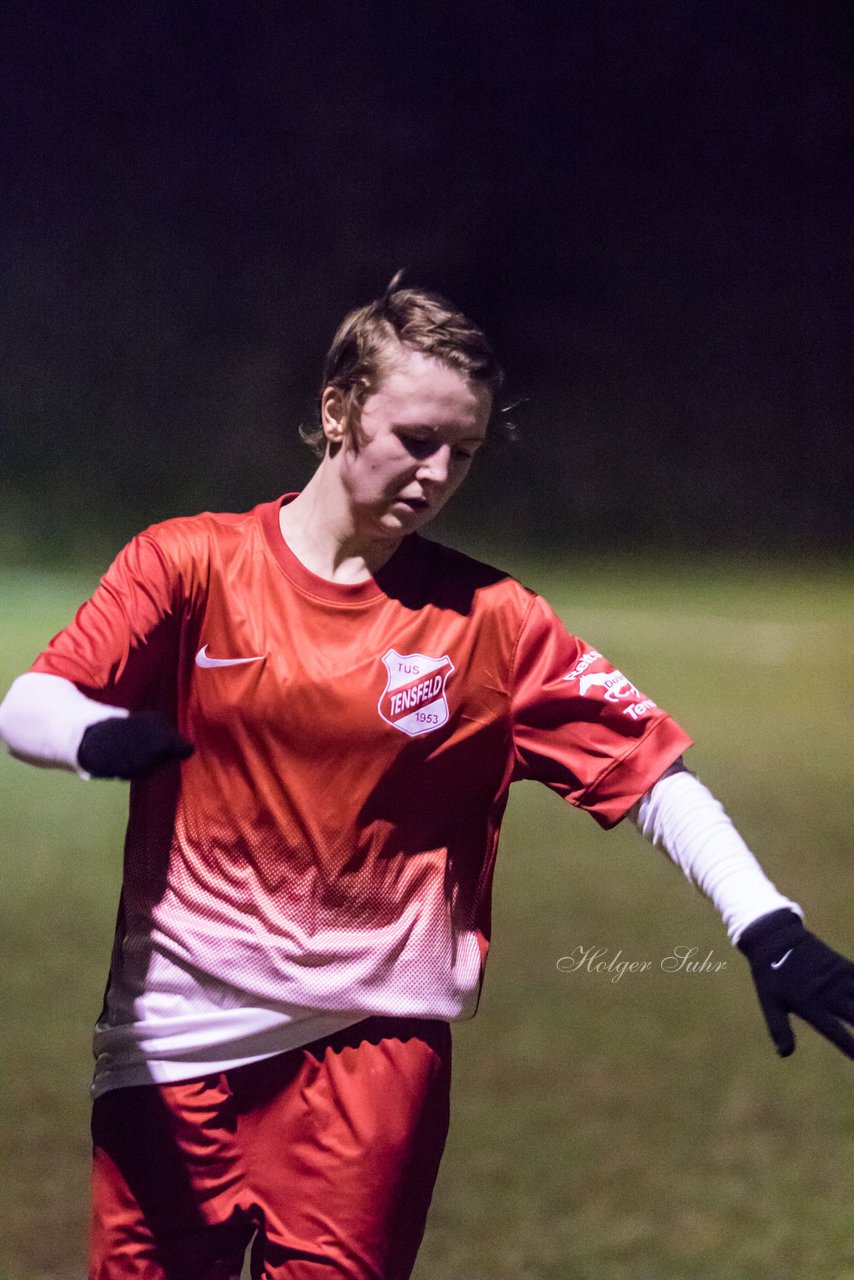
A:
[130,746]
[795,972]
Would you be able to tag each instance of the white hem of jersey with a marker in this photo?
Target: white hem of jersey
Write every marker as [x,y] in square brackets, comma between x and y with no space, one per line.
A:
[137,1072]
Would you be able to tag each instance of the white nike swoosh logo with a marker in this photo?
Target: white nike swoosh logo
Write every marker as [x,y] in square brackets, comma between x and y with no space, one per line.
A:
[775,964]
[202,659]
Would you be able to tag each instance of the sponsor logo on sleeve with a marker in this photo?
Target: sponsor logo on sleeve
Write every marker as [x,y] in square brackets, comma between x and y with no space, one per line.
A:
[414,699]
[586,660]
[615,686]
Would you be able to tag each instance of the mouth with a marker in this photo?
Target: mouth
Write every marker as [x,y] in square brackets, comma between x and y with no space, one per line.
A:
[413,504]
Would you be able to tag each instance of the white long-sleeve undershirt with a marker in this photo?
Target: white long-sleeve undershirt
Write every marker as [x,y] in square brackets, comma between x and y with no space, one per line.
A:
[681,816]
[43,719]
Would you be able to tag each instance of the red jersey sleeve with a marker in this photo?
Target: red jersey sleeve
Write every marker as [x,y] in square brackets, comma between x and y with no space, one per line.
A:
[580,726]
[117,646]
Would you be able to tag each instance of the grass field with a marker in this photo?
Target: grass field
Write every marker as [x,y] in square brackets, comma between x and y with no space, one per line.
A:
[642,1129]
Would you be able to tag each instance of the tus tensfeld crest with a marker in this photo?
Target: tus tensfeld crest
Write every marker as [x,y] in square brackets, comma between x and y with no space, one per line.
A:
[414,700]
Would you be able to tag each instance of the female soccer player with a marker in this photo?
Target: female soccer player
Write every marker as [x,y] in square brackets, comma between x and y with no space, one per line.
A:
[322,713]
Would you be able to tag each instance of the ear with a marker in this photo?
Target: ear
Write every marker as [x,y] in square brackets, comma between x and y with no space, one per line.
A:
[333,414]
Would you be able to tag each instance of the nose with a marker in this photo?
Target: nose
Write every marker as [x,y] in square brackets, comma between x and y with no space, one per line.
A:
[436,468]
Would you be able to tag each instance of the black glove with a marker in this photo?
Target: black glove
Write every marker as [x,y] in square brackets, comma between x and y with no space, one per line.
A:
[130,746]
[795,972]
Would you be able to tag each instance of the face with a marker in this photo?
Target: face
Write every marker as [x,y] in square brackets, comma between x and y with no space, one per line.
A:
[416,438]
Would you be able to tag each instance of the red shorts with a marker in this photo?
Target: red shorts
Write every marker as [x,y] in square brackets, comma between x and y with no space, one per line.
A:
[324,1158]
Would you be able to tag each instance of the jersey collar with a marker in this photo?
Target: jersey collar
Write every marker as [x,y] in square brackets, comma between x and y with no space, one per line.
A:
[342,593]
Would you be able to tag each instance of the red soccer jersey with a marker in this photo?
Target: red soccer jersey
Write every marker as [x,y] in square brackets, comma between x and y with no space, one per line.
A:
[331,842]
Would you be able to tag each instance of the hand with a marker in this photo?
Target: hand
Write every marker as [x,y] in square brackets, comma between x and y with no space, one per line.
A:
[130,746]
[795,972]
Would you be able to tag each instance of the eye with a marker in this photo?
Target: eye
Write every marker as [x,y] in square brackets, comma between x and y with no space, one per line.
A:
[419,446]
[422,445]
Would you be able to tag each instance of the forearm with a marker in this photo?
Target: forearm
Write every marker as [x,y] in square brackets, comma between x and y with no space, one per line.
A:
[681,816]
[43,719]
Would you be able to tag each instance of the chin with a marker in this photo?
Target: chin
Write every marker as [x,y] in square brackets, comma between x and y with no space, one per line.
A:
[394,526]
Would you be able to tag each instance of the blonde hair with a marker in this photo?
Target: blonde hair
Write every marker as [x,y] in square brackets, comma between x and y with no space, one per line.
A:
[402,317]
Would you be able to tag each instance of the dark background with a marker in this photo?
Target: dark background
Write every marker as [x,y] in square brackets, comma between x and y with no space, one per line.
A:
[647,206]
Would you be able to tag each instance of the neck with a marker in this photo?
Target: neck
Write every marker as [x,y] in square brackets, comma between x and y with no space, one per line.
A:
[321,531]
